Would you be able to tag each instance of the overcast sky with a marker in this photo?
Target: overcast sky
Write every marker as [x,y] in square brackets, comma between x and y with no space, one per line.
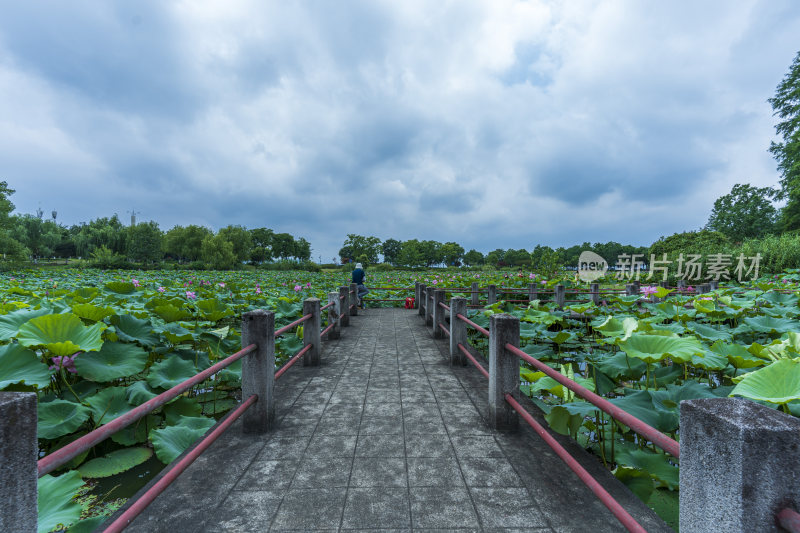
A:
[494,124]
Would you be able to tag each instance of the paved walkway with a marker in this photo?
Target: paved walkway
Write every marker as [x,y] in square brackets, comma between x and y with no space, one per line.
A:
[385,436]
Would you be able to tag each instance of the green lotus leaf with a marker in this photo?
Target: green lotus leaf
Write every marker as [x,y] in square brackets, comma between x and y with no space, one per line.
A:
[120,287]
[289,344]
[285,308]
[705,306]
[768,324]
[60,417]
[780,298]
[531,331]
[540,317]
[56,501]
[114,360]
[86,294]
[62,334]
[171,441]
[778,383]
[614,327]
[88,525]
[115,462]
[737,355]
[108,404]
[710,361]
[539,351]
[20,365]
[171,313]
[641,405]
[562,421]
[132,329]
[708,333]
[139,392]
[620,365]
[170,372]
[91,312]
[638,482]
[137,432]
[180,408]
[175,333]
[654,348]
[10,323]
[213,309]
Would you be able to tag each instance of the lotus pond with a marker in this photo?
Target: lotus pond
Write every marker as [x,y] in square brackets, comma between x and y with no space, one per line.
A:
[95,344]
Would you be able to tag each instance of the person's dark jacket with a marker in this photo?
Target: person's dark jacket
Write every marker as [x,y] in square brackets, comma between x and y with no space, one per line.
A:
[358,276]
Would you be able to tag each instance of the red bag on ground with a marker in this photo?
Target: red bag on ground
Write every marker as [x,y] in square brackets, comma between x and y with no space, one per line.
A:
[410,303]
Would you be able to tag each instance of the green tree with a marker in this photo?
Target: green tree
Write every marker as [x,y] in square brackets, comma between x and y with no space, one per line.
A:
[282,245]
[262,244]
[746,212]
[302,250]
[702,242]
[172,243]
[10,248]
[391,250]
[517,258]
[144,243]
[473,258]
[786,105]
[240,238]
[545,260]
[495,257]
[452,253]
[217,253]
[411,254]
[356,245]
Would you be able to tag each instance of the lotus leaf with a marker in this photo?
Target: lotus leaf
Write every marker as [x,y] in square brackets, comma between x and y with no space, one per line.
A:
[171,313]
[289,344]
[62,334]
[705,306]
[614,327]
[139,392]
[530,331]
[10,323]
[115,462]
[88,525]
[653,348]
[637,481]
[60,417]
[779,298]
[710,361]
[768,324]
[56,503]
[120,287]
[170,372]
[20,365]
[136,433]
[132,329]
[180,408]
[175,333]
[640,404]
[540,317]
[171,441]
[737,355]
[708,333]
[539,351]
[114,360]
[213,309]
[562,421]
[778,383]
[620,365]
[92,312]
[108,404]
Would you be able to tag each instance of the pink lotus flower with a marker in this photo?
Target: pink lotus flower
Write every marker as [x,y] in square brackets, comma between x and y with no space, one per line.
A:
[435,281]
[191,295]
[258,290]
[308,285]
[161,289]
[531,276]
[298,288]
[66,362]
[135,282]
[222,285]
[648,290]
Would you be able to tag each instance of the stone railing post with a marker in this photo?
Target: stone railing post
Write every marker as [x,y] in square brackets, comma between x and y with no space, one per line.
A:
[559,295]
[503,371]
[333,315]
[421,305]
[637,286]
[681,284]
[533,292]
[594,288]
[492,297]
[438,313]
[739,465]
[713,285]
[476,294]
[416,295]
[354,299]
[19,450]
[429,306]
[458,330]
[630,289]
[311,332]
[258,370]
[703,288]
[344,306]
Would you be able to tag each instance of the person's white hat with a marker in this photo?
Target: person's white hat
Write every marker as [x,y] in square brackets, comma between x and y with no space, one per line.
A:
[358,265]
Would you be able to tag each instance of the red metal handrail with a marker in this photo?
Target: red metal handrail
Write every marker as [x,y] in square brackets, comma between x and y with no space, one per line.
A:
[292,361]
[473,360]
[622,515]
[297,322]
[330,326]
[324,307]
[391,288]
[473,324]
[789,520]
[444,306]
[444,328]
[70,451]
[669,445]
[147,498]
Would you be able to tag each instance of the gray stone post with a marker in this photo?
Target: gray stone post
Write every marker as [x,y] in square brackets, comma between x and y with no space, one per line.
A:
[594,288]
[416,295]
[503,371]
[703,288]
[476,295]
[739,465]
[492,298]
[258,370]
[630,289]
[354,299]
[637,286]
[311,332]
[533,292]
[713,284]
[421,305]
[429,306]
[333,315]
[458,330]
[19,450]
[344,319]
[559,295]
[681,283]
[438,314]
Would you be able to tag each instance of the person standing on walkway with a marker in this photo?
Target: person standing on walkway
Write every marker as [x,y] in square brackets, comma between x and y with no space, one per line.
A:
[359,276]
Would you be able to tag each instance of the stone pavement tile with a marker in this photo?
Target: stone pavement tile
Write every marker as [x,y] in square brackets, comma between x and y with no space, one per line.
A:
[315,472]
[376,508]
[476,446]
[466,424]
[380,446]
[345,396]
[266,475]
[434,472]
[454,395]
[244,511]
[314,398]
[489,472]
[441,507]
[460,407]
[309,509]
[381,425]
[420,409]
[416,395]
[392,409]
[338,425]
[307,410]
[427,445]
[294,425]
[424,424]
[445,383]
[507,507]
[277,448]
[331,446]
[382,395]
[379,472]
